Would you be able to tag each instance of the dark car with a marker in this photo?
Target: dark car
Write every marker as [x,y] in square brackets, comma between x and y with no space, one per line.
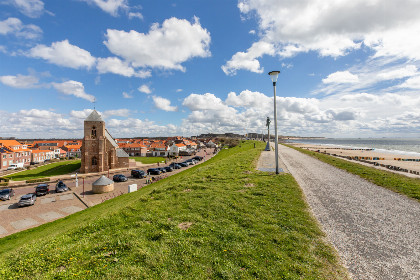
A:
[175,166]
[42,189]
[198,158]
[119,178]
[27,199]
[162,169]
[138,174]
[153,171]
[61,187]
[191,161]
[6,194]
[183,164]
[168,169]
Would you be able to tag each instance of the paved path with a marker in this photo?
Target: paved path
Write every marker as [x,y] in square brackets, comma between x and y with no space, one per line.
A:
[375,231]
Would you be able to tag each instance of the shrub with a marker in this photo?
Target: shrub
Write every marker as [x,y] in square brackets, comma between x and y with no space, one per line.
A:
[4,184]
[38,180]
[2,179]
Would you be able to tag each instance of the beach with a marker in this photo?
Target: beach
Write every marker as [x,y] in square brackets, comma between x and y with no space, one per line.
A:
[370,157]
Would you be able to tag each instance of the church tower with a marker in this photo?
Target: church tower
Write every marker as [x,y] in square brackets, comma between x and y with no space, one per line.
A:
[93,147]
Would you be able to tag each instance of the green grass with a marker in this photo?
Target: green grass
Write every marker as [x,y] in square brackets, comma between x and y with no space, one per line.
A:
[393,181]
[244,224]
[53,169]
[149,160]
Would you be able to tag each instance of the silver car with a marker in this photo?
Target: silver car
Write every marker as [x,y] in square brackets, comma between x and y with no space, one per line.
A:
[6,194]
[27,199]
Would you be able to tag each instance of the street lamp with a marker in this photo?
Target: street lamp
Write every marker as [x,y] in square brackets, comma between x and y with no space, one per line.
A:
[274,75]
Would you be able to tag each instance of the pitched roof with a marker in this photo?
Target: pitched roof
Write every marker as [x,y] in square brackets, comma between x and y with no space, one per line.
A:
[94,117]
[102,181]
[121,153]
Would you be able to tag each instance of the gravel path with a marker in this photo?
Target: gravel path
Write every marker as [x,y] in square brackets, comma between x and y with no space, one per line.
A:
[375,231]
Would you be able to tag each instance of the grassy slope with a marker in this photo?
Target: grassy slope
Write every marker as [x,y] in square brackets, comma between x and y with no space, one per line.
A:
[52,169]
[395,182]
[245,224]
[148,160]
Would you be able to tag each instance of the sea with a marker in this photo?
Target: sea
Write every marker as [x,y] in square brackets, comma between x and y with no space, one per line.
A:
[401,146]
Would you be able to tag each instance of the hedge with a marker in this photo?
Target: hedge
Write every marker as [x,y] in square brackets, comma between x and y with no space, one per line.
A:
[38,180]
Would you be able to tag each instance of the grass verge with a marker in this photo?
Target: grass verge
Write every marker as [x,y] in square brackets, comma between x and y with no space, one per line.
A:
[218,220]
[148,160]
[52,169]
[393,181]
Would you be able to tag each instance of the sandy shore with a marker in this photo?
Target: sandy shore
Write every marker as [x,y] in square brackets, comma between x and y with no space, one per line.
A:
[381,158]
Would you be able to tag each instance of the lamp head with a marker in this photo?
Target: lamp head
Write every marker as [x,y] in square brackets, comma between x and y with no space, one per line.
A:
[274,75]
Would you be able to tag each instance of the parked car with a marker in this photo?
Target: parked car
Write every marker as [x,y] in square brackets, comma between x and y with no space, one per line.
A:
[191,161]
[162,169]
[6,194]
[61,187]
[42,189]
[27,199]
[175,166]
[138,174]
[119,178]
[153,171]
[168,169]
[198,158]
[183,164]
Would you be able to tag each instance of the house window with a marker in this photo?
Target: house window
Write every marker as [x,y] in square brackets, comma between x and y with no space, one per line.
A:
[94,161]
[4,163]
[4,156]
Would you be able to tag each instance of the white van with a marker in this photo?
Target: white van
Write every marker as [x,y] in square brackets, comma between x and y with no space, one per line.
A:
[15,166]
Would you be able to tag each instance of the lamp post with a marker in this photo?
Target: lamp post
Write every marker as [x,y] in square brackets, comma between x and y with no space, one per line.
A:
[274,75]
[267,147]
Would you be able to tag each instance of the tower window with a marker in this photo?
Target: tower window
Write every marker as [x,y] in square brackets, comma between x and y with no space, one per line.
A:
[94,161]
[93,132]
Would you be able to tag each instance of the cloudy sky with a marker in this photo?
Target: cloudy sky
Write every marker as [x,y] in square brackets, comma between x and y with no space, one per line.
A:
[168,67]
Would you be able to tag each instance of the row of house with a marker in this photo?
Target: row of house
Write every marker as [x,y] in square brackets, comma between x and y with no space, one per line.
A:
[172,146]
[13,153]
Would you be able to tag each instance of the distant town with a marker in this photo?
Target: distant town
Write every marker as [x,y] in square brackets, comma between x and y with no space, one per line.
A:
[19,153]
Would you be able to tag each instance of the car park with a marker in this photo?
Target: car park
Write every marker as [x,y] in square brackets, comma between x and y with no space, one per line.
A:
[119,178]
[6,194]
[153,171]
[42,189]
[27,199]
[61,187]
[138,174]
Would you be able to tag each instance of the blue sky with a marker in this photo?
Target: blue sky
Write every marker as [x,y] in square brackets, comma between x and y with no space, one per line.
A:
[162,68]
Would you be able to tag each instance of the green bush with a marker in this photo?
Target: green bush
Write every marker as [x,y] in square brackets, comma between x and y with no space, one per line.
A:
[38,180]
[2,179]
[4,184]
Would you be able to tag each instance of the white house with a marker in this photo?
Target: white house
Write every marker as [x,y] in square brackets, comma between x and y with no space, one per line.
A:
[176,148]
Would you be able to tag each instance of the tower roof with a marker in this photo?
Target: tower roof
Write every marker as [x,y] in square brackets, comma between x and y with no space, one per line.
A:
[102,181]
[94,117]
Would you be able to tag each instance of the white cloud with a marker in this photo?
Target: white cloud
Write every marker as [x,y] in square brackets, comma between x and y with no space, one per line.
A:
[166,46]
[111,7]
[126,95]
[81,114]
[20,81]
[408,71]
[64,54]
[413,83]
[30,8]
[252,32]
[116,66]
[16,27]
[41,114]
[145,89]
[179,90]
[163,104]
[73,88]
[341,77]
[248,60]
[207,101]
[336,28]
[118,112]
[132,15]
